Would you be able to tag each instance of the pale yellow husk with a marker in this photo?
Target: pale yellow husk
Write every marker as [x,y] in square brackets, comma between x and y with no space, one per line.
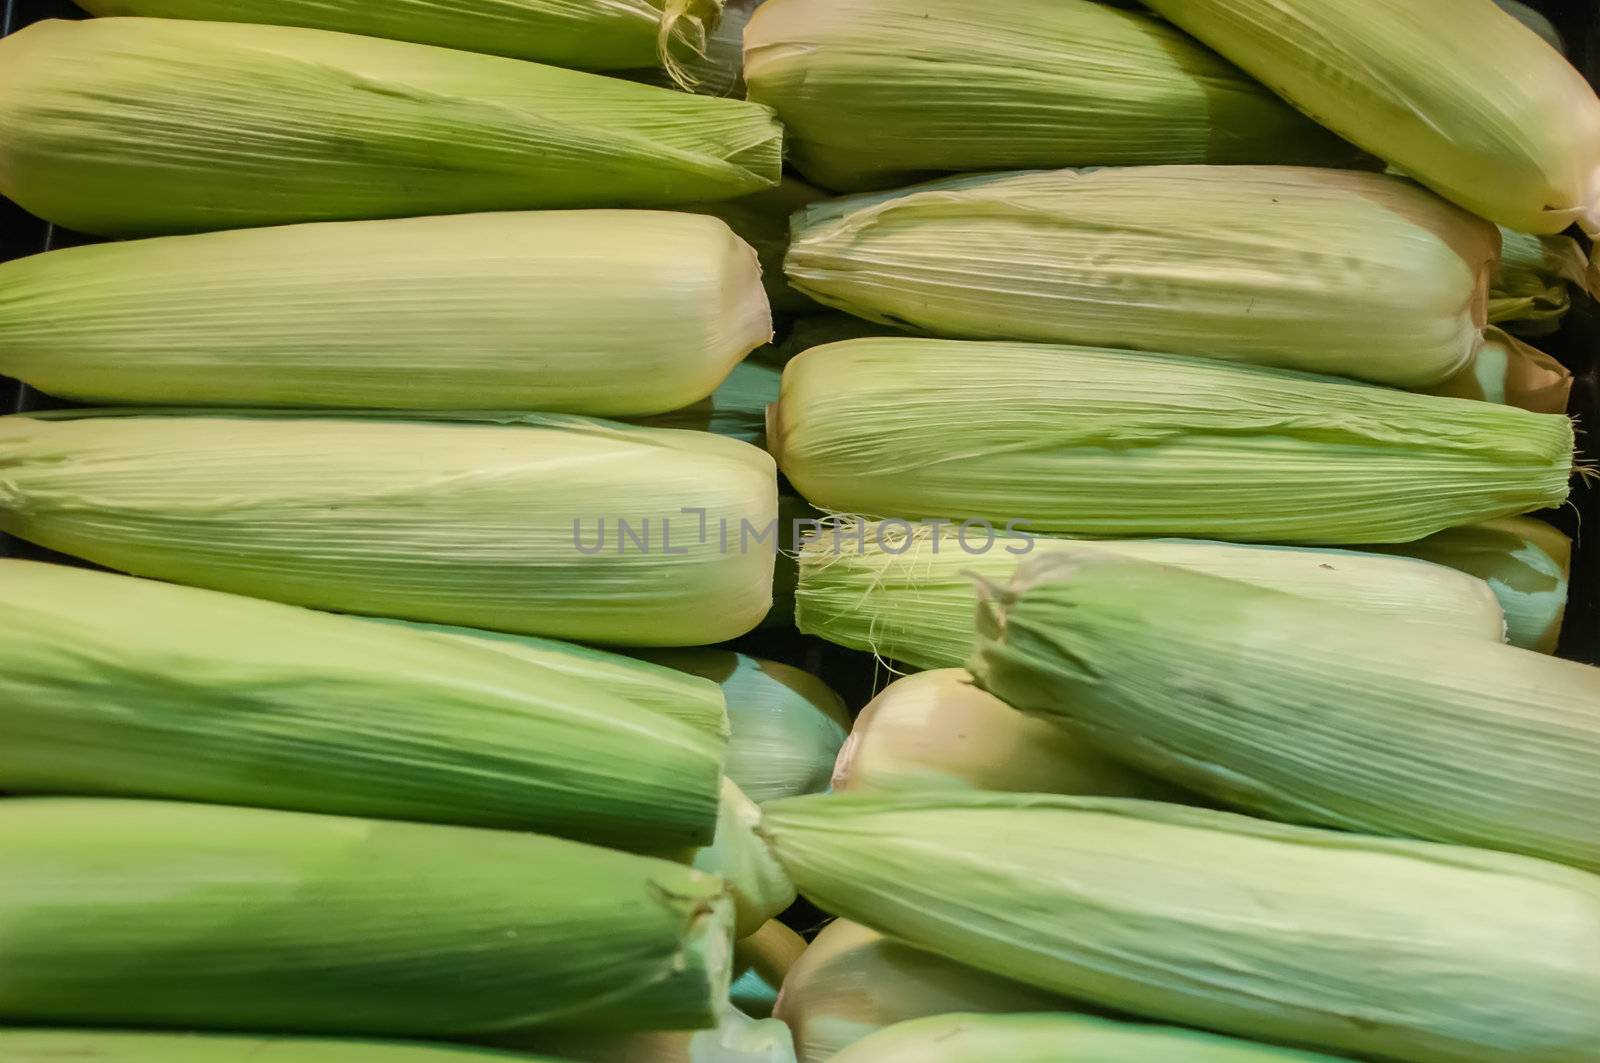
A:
[937,731]
[1534,282]
[609,312]
[761,962]
[1363,947]
[1303,711]
[1456,93]
[736,1038]
[740,857]
[466,522]
[907,594]
[852,981]
[1362,275]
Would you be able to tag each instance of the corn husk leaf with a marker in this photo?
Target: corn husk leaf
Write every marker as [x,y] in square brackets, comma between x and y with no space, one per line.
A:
[139,1046]
[201,917]
[1535,21]
[619,313]
[713,63]
[937,731]
[1303,711]
[787,724]
[1050,1038]
[612,35]
[478,520]
[852,981]
[1053,437]
[1454,92]
[907,594]
[1029,83]
[1352,274]
[761,962]
[1362,946]
[1507,371]
[119,686]
[135,126]
[1526,563]
[758,885]
[736,1038]
[1533,284]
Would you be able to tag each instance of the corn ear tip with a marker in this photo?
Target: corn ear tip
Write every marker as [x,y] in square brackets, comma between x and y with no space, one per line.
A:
[680,23]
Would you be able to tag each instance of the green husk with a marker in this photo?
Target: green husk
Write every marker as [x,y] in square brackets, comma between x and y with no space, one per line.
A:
[739,855]
[762,221]
[1361,946]
[1053,1038]
[478,520]
[1526,563]
[937,731]
[1054,435]
[1027,83]
[590,35]
[119,686]
[1534,281]
[852,981]
[137,127]
[144,913]
[1535,21]
[618,313]
[137,1046]
[787,725]
[736,1038]
[1353,274]
[761,962]
[737,409]
[1454,92]
[689,699]
[1303,711]
[907,594]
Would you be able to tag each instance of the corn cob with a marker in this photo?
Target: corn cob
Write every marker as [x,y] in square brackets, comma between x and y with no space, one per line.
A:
[1029,83]
[787,725]
[1366,947]
[609,35]
[138,127]
[1301,710]
[1353,274]
[851,982]
[937,731]
[1047,438]
[1526,563]
[512,526]
[619,313]
[908,595]
[200,917]
[138,1046]
[1052,1038]
[1454,92]
[114,685]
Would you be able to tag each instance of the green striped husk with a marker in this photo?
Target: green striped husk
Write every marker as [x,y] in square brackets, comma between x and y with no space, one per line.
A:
[140,1046]
[1360,275]
[478,520]
[1051,436]
[136,126]
[1300,710]
[1027,83]
[909,595]
[610,312]
[1365,947]
[1050,1038]
[589,34]
[143,913]
[115,685]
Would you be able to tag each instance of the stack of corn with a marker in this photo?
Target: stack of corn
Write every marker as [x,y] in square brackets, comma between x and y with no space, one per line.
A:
[467,384]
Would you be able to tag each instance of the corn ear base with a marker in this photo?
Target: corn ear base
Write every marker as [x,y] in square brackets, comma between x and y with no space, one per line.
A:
[119,686]
[907,594]
[145,126]
[1031,83]
[1526,562]
[1361,275]
[739,855]
[1158,910]
[1049,443]
[787,725]
[1301,710]
[140,1046]
[502,521]
[937,731]
[1509,372]
[1456,94]
[140,913]
[1533,283]
[852,982]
